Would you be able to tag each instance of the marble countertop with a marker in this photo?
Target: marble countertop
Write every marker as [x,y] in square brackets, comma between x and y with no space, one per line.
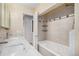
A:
[18,46]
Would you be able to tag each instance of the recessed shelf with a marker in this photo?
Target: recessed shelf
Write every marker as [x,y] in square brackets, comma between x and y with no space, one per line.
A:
[44,30]
[44,25]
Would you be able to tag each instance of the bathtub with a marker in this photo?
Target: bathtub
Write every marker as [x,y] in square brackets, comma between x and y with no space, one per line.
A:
[18,46]
[48,48]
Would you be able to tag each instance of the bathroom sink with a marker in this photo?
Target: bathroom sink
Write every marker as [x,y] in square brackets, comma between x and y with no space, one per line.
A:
[13,50]
[18,47]
[19,50]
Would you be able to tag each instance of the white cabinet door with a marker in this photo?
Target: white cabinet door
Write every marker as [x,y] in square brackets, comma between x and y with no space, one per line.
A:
[5,20]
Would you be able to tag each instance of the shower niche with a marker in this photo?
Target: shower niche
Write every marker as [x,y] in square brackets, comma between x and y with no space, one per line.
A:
[54,27]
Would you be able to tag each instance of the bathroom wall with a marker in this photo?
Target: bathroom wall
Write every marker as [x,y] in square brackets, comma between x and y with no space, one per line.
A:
[40,30]
[77,29]
[58,30]
[16,18]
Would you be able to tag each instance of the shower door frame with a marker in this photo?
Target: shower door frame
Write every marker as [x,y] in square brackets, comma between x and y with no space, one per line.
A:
[35,30]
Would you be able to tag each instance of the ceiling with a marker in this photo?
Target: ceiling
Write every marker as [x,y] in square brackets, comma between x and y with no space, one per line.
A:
[30,5]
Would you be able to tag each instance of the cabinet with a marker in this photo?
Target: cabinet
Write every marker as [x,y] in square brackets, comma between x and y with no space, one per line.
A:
[4,16]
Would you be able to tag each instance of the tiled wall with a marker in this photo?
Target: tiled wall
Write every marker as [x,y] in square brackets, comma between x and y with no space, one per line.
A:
[58,31]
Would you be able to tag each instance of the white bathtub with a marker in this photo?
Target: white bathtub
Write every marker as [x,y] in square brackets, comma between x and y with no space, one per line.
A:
[48,48]
[18,46]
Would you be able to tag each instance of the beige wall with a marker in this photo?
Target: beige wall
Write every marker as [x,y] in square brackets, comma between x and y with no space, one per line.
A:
[58,31]
[16,18]
[16,15]
[77,28]
[40,30]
